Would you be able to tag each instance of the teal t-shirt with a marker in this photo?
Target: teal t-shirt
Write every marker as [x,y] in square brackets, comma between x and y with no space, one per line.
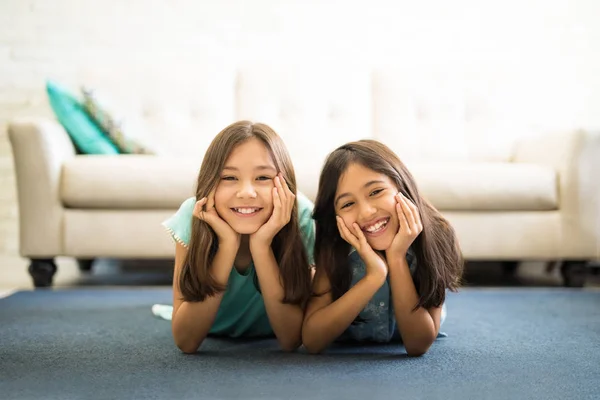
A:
[242,311]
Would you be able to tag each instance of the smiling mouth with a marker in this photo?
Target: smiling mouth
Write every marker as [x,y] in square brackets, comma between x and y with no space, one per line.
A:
[246,211]
[377,227]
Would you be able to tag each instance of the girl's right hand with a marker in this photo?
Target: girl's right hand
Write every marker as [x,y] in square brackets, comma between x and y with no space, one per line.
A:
[376,265]
[205,211]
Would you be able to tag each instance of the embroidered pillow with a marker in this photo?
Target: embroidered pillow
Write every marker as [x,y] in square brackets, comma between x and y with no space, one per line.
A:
[119,130]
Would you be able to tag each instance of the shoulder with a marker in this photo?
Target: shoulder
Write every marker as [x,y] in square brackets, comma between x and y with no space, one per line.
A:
[188,205]
[305,209]
[306,225]
[179,225]
[305,206]
[411,259]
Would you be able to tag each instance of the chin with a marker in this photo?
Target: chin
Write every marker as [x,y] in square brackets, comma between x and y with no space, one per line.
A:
[245,229]
[380,244]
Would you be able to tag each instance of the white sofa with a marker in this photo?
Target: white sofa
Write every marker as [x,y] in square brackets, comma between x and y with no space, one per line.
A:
[510,197]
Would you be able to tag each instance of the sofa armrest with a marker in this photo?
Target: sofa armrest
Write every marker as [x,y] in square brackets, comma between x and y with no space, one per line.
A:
[40,147]
[576,158]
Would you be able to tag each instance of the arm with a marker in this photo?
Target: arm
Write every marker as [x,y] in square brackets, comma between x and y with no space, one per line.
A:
[192,321]
[420,327]
[326,320]
[286,319]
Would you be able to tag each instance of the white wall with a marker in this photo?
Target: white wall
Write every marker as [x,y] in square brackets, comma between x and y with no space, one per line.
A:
[542,58]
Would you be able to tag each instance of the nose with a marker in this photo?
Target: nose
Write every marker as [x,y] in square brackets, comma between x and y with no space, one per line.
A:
[366,211]
[246,191]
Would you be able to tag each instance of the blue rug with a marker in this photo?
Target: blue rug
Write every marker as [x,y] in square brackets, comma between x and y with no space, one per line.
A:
[105,344]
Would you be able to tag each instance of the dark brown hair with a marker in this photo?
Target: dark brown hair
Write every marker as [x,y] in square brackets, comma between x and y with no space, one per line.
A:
[439,258]
[195,281]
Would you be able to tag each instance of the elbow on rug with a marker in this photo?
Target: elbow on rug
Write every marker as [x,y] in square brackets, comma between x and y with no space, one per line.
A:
[288,346]
[188,347]
[313,348]
[417,349]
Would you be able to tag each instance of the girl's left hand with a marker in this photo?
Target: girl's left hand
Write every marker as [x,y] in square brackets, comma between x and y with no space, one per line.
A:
[283,204]
[410,226]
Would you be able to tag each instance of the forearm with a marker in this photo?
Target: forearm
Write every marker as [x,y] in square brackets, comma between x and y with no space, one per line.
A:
[191,321]
[417,327]
[327,324]
[285,319]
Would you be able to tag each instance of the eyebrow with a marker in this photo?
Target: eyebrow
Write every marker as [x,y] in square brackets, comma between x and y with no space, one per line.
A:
[366,185]
[259,168]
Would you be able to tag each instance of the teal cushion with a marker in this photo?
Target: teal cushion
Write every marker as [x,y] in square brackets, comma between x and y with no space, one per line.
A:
[85,134]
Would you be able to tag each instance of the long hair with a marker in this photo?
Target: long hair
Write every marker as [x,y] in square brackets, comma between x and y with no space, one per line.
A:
[195,281]
[439,258]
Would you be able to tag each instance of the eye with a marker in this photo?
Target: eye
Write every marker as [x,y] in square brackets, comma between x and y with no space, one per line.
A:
[264,178]
[229,178]
[346,205]
[376,192]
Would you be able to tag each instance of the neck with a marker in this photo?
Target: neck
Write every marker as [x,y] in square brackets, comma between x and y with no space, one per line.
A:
[243,258]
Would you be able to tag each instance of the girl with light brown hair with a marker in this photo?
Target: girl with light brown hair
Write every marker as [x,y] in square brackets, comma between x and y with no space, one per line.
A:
[243,244]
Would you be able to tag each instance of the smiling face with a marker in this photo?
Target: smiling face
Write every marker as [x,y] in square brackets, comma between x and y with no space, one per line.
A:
[243,197]
[367,198]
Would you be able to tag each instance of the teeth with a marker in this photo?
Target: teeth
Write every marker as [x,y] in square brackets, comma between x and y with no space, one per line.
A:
[376,227]
[246,210]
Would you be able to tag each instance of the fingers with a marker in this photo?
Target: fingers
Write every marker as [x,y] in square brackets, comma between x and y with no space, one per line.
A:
[404,225]
[359,234]
[199,208]
[408,212]
[277,204]
[211,200]
[278,180]
[286,188]
[279,196]
[345,232]
[285,195]
[416,214]
[202,212]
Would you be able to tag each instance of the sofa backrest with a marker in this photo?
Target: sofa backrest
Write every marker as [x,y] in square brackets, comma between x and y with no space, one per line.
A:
[430,113]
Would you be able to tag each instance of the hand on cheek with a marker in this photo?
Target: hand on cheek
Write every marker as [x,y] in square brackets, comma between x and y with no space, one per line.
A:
[354,236]
[409,227]
[205,211]
[283,204]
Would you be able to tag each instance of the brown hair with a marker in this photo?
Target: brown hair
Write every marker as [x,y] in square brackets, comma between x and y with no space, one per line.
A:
[195,281]
[439,258]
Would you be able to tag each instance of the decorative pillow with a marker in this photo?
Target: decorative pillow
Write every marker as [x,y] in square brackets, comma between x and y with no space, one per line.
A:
[121,134]
[85,134]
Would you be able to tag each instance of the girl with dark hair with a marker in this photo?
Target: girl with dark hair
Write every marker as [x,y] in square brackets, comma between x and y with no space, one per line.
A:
[384,256]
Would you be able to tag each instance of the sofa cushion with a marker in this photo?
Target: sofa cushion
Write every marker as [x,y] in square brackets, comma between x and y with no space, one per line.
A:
[128,182]
[468,186]
[150,182]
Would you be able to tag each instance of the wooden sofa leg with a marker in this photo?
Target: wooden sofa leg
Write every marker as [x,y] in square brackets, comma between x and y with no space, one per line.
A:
[574,273]
[509,268]
[85,264]
[42,271]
